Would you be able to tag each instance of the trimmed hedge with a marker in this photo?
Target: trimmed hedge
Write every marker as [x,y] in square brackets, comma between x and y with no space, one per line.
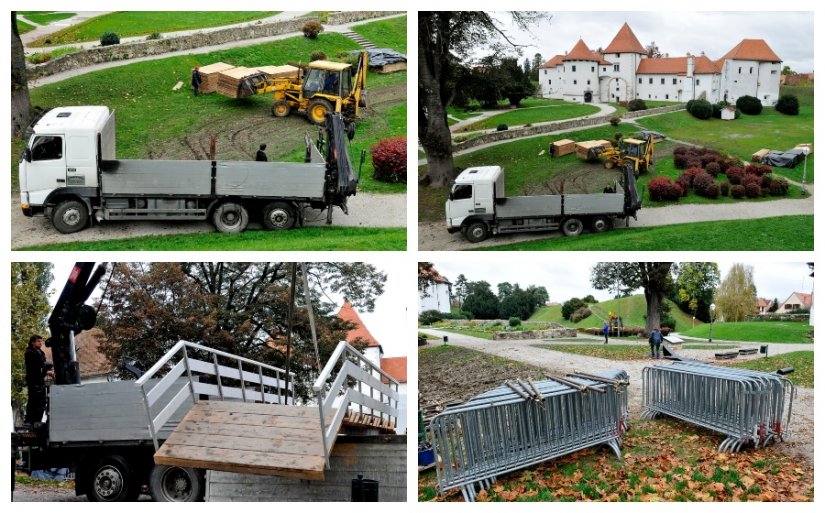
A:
[701,109]
[749,105]
[788,104]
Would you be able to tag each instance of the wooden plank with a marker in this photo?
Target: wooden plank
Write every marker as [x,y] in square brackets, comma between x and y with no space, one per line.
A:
[244,419]
[305,467]
[268,409]
[263,445]
[196,429]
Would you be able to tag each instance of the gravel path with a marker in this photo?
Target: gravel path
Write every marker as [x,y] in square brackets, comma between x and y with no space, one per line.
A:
[362,207]
[44,492]
[42,30]
[802,423]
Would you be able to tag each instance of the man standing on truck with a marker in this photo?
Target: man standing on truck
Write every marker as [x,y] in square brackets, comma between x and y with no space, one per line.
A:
[36,371]
[261,156]
[196,80]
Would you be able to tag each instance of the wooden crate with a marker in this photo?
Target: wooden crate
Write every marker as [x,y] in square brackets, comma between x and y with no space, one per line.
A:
[587,149]
[391,68]
[809,145]
[230,80]
[759,155]
[562,147]
[209,76]
[285,71]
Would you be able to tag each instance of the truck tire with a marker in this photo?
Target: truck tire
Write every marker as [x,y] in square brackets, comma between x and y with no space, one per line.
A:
[317,110]
[572,226]
[230,217]
[70,216]
[477,231]
[600,224]
[278,216]
[112,479]
[176,484]
[281,109]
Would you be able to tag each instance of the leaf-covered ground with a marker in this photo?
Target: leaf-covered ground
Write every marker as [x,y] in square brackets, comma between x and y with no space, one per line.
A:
[664,460]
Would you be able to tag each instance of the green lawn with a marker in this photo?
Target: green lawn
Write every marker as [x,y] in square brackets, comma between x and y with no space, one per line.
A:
[36,58]
[754,331]
[469,332]
[23,27]
[801,361]
[333,238]
[141,23]
[547,110]
[391,33]
[606,351]
[46,17]
[788,233]
[748,134]
[150,115]
[632,309]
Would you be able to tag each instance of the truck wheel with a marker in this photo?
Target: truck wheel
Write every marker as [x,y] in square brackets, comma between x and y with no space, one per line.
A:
[600,224]
[70,217]
[317,110]
[572,226]
[278,216]
[230,217]
[608,164]
[477,231]
[112,480]
[176,484]
[281,109]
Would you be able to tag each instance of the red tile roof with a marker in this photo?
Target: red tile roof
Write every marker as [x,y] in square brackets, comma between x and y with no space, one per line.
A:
[349,314]
[675,66]
[805,298]
[552,63]
[396,367]
[625,42]
[600,57]
[752,50]
[763,302]
[581,52]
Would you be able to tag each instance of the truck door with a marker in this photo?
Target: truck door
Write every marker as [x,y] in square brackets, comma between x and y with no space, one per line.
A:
[47,169]
[461,202]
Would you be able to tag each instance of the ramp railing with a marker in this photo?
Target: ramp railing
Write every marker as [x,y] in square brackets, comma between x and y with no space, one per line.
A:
[225,377]
[524,423]
[747,406]
[349,381]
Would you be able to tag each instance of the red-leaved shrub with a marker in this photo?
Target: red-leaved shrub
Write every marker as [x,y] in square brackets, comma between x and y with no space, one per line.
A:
[663,189]
[680,160]
[724,188]
[389,158]
[766,181]
[713,168]
[711,191]
[752,190]
[701,182]
[735,174]
[737,191]
[779,187]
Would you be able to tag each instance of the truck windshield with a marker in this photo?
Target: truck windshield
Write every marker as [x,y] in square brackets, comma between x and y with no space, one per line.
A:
[462,192]
[47,147]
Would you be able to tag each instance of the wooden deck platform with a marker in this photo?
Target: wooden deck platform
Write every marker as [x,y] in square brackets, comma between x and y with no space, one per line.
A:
[265,439]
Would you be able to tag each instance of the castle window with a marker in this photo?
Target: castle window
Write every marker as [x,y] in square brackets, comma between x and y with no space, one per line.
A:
[549,81]
[697,81]
[575,82]
[667,97]
[615,67]
[740,70]
[640,80]
[588,82]
[617,55]
[650,80]
[663,81]
[674,81]
[592,69]
[574,68]
[751,70]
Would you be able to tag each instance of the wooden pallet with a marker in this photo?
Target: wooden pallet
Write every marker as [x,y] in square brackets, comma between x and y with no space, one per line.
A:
[363,420]
[229,81]
[209,76]
[264,439]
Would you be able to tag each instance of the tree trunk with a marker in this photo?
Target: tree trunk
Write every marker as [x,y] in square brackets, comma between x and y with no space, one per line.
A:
[21,104]
[433,131]
[654,301]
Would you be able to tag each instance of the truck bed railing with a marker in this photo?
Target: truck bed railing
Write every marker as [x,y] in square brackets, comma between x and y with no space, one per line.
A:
[358,383]
[245,380]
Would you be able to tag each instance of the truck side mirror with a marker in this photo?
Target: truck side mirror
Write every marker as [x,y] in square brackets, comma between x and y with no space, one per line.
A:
[27,154]
[450,196]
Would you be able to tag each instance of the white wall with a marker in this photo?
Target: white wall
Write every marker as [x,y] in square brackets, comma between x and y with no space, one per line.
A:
[437,298]
[751,78]
[550,81]
[659,91]
[584,78]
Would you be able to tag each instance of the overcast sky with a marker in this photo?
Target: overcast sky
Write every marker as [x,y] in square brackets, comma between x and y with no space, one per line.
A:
[565,280]
[789,34]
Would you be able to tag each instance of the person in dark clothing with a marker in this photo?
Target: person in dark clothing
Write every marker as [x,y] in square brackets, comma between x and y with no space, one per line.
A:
[196,80]
[605,331]
[37,369]
[261,156]
[655,341]
[331,83]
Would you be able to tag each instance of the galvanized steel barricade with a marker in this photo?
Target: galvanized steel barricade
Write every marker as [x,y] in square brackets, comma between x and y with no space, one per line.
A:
[524,423]
[746,406]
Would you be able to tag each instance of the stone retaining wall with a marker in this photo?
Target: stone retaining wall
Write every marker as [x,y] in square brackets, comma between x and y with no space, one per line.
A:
[341,17]
[481,322]
[536,334]
[566,125]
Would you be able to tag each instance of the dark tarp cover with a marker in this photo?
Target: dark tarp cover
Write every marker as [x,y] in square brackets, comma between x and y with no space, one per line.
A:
[346,176]
[788,158]
[383,56]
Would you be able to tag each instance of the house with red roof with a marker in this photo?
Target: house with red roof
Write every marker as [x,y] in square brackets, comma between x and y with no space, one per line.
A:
[624,71]
[796,301]
[436,292]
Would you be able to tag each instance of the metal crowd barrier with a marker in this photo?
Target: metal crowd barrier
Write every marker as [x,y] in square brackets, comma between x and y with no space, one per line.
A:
[520,424]
[746,406]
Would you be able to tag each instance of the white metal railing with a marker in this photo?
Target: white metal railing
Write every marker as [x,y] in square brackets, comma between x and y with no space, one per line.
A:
[358,382]
[264,383]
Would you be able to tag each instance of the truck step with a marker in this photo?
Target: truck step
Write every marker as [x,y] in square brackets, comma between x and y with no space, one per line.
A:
[165,214]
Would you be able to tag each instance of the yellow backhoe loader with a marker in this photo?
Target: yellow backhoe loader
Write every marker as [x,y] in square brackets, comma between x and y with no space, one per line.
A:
[634,152]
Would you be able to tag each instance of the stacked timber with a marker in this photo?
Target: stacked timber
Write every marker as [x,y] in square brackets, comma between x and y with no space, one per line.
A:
[590,149]
[805,145]
[285,71]
[209,76]
[562,147]
[759,155]
[229,81]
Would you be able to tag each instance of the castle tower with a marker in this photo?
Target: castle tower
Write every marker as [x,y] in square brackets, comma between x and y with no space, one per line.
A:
[624,54]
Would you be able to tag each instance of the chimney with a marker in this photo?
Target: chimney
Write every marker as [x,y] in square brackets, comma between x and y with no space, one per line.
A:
[690,65]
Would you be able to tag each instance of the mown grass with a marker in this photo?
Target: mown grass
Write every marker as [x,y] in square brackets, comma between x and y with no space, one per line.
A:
[23,27]
[149,113]
[141,23]
[45,17]
[391,33]
[38,57]
[335,238]
[616,351]
[755,331]
[547,110]
[488,335]
[748,134]
[786,233]
[801,361]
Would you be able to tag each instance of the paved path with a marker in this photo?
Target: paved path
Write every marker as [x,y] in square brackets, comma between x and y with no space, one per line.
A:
[44,30]
[57,77]
[604,109]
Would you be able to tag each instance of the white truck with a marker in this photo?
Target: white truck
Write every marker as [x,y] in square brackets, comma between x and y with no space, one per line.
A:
[478,207]
[68,172]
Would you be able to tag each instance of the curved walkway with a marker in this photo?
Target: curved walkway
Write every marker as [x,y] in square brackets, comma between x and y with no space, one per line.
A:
[604,109]
[44,30]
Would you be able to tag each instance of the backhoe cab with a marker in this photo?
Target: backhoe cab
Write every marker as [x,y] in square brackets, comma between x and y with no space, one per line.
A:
[636,153]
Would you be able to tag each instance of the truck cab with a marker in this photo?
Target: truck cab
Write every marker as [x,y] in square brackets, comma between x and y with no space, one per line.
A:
[473,196]
[62,154]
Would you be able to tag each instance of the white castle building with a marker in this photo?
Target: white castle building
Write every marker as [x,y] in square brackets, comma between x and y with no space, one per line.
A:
[623,72]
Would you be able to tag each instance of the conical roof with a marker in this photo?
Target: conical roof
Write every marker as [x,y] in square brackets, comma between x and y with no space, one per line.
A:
[625,42]
[752,50]
[360,331]
[580,52]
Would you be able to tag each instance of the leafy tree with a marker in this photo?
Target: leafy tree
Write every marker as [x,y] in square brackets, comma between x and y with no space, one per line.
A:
[736,295]
[517,85]
[653,50]
[786,70]
[527,66]
[481,302]
[696,284]
[653,277]
[534,70]
[774,305]
[444,39]
[571,306]
[460,289]
[240,308]
[504,289]
[538,295]
[21,104]
[425,277]
[589,299]
[517,304]
[30,283]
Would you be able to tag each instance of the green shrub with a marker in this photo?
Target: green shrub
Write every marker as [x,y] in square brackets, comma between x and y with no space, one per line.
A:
[701,109]
[689,105]
[311,29]
[788,104]
[580,314]
[317,56]
[514,321]
[615,120]
[109,38]
[638,104]
[749,105]
[39,57]
[502,127]
[429,317]
[154,35]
